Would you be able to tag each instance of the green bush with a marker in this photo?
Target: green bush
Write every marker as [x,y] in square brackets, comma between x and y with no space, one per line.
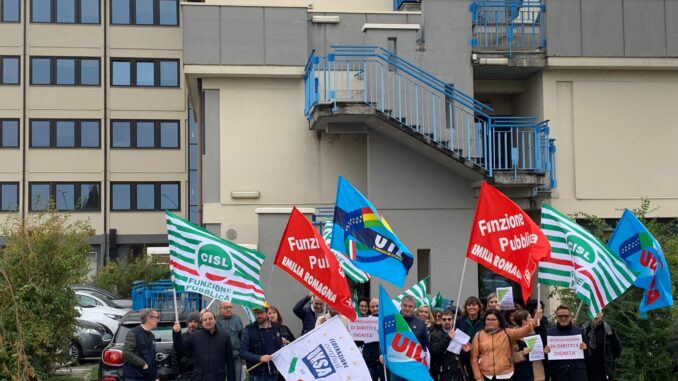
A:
[117,277]
[650,346]
[43,255]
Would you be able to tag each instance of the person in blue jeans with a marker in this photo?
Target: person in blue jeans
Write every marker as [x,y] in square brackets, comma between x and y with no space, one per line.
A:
[260,340]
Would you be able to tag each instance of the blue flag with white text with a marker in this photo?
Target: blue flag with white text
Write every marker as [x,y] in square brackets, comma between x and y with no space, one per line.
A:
[402,353]
[366,238]
[640,250]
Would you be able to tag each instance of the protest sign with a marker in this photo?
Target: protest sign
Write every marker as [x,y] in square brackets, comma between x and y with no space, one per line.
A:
[505,298]
[536,347]
[364,329]
[460,338]
[565,347]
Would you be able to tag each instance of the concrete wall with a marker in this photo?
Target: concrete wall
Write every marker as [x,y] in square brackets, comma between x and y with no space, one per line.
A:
[612,28]
[244,35]
[273,153]
[615,144]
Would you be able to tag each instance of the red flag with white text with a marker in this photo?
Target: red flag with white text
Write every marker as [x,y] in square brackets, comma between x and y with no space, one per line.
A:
[305,256]
[505,239]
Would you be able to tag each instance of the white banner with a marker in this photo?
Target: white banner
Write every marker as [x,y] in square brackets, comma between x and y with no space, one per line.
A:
[364,329]
[565,347]
[326,353]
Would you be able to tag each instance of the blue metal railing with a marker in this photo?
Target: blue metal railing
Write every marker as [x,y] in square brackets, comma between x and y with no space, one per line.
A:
[435,110]
[508,25]
[159,295]
[399,3]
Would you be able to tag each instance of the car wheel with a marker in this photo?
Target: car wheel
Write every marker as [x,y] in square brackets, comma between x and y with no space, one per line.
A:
[74,354]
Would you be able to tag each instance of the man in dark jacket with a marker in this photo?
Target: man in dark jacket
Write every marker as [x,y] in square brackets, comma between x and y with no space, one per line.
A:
[445,365]
[138,351]
[185,359]
[309,314]
[566,370]
[417,325]
[603,347]
[211,348]
[233,325]
[259,341]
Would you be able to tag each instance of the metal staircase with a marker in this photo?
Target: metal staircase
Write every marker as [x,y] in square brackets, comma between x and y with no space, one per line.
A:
[358,86]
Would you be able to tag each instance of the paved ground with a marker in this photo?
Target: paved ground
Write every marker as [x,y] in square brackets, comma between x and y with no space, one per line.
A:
[81,371]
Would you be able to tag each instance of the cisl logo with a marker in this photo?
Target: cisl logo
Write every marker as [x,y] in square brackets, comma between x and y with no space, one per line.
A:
[214,262]
[581,248]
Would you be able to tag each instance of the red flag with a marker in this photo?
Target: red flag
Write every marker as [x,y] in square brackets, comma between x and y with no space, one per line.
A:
[304,255]
[505,239]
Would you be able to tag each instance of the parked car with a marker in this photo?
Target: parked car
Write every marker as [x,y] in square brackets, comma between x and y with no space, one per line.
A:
[88,288]
[110,364]
[94,298]
[89,341]
[107,316]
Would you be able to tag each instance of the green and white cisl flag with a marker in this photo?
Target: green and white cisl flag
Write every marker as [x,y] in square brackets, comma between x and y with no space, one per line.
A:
[204,263]
[352,271]
[326,353]
[418,292]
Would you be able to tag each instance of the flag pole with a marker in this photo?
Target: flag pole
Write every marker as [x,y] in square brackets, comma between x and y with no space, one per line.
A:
[538,302]
[174,296]
[461,283]
[578,308]
[210,304]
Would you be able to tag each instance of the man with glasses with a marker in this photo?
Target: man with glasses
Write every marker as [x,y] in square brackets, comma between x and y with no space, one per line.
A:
[138,351]
[233,325]
[211,348]
[445,365]
[566,370]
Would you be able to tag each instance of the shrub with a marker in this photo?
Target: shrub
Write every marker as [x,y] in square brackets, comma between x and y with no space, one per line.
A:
[118,276]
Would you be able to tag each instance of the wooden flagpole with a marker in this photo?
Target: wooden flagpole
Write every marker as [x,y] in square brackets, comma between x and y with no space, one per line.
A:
[461,283]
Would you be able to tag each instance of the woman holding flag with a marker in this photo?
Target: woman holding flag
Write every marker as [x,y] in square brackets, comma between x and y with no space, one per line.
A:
[491,347]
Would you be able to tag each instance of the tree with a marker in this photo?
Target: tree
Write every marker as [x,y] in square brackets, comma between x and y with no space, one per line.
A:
[44,254]
[118,277]
[649,345]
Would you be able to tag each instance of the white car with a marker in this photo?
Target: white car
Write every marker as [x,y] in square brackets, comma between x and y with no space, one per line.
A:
[108,316]
[93,298]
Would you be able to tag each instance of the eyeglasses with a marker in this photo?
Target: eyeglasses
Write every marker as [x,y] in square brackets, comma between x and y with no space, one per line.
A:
[154,317]
[447,319]
[491,319]
[563,316]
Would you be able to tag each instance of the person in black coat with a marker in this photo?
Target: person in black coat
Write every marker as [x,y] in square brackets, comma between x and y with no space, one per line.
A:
[566,370]
[259,341]
[445,365]
[138,352]
[211,348]
[308,314]
[604,347]
[185,359]
[470,322]
[371,351]
[416,324]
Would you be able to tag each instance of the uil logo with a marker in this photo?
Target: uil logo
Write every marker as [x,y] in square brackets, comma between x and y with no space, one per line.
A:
[214,263]
[580,248]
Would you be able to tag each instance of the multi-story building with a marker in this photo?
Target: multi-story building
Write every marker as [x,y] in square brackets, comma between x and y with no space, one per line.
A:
[93,116]
[416,103]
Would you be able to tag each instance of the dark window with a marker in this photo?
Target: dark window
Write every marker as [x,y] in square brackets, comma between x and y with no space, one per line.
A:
[65,11]
[9,11]
[66,71]
[424,266]
[9,70]
[9,133]
[144,134]
[65,133]
[145,12]
[145,196]
[145,72]
[9,197]
[66,196]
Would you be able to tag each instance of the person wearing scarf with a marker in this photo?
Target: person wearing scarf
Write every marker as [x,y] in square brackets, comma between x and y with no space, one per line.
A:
[491,347]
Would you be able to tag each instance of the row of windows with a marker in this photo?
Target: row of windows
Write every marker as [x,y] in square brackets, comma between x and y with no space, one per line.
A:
[123,12]
[86,196]
[69,133]
[9,70]
[85,71]
[65,11]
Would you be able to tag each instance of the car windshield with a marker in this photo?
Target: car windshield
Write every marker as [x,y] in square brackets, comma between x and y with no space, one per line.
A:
[110,302]
[163,333]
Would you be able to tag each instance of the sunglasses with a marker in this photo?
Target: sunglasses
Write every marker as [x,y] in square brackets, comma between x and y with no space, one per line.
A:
[447,319]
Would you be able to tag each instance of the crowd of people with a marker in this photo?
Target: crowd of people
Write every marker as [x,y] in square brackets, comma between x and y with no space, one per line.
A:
[214,348]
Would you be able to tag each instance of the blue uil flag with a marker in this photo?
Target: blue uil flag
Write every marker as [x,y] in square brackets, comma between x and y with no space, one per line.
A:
[640,250]
[403,355]
[360,232]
